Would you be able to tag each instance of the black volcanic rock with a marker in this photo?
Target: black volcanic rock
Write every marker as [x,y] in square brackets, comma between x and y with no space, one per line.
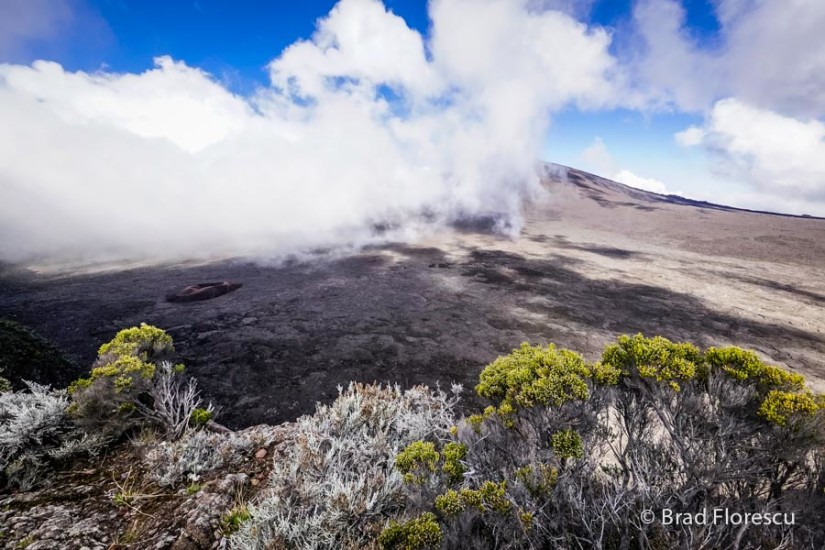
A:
[595,260]
[203,291]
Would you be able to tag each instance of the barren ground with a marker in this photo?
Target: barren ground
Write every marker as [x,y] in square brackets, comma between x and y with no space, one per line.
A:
[596,261]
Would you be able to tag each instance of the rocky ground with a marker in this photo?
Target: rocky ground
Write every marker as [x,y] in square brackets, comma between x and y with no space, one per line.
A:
[596,260]
[109,502]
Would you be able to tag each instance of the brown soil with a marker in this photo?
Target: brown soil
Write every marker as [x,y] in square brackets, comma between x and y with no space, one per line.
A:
[597,260]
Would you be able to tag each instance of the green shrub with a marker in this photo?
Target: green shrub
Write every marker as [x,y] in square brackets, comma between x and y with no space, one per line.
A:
[417,461]
[418,533]
[130,385]
[453,454]
[569,453]
[143,342]
[234,518]
[567,444]
[745,366]
[200,416]
[655,358]
[780,406]
[534,376]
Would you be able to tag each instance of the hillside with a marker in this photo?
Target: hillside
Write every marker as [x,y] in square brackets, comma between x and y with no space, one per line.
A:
[596,260]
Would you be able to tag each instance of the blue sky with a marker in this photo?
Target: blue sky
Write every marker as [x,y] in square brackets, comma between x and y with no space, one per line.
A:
[239,37]
[721,100]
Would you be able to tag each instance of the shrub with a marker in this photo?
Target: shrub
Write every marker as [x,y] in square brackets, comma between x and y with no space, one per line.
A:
[234,518]
[417,533]
[200,417]
[36,433]
[567,444]
[336,482]
[417,461]
[25,355]
[143,342]
[454,453]
[196,453]
[533,376]
[571,453]
[126,389]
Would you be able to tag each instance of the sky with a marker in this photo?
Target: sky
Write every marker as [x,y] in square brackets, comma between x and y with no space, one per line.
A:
[137,128]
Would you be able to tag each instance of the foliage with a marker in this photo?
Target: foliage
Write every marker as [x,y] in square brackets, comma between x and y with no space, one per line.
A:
[232,520]
[5,385]
[336,481]
[567,444]
[571,453]
[453,454]
[654,358]
[418,533]
[196,453]
[200,416]
[419,456]
[567,454]
[126,388]
[533,376]
[25,355]
[143,342]
[36,433]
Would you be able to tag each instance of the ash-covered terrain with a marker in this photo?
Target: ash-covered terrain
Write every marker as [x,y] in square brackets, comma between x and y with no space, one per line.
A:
[596,260]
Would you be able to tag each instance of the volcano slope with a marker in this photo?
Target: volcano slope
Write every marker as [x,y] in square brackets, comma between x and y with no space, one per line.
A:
[596,260]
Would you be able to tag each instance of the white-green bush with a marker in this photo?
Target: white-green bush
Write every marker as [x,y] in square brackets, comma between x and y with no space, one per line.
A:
[129,387]
[570,454]
[336,481]
[35,432]
[197,452]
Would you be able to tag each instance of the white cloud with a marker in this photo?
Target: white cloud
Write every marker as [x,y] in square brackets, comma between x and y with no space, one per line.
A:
[769,53]
[645,184]
[760,85]
[171,101]
[776,154]
[690,136]
[358,40]
[168,163]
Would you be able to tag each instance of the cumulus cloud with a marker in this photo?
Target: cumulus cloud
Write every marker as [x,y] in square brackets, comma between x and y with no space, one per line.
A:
[769,54]
[759,84]
[776,154]
[364,124]
[645,184]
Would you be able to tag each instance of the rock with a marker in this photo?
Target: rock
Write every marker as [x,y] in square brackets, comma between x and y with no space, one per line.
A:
[205,512]
[261,453]
[203,291]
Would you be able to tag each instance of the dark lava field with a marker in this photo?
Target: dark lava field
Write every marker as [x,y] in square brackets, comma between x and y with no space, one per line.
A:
[596,260]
